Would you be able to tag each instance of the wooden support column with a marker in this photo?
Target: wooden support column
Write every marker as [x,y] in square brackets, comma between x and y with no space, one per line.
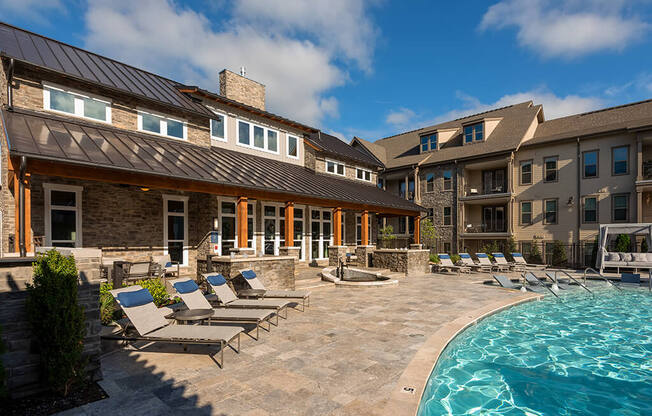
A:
[289,224]
[241,213]
[337,226]
[365,228]
[28,212]
[417,229]
[16,213]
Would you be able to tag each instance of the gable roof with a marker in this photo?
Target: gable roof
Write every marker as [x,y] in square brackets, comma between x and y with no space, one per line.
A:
[623,117]
[338,148]
[376,151]
[403,149]
[64,140]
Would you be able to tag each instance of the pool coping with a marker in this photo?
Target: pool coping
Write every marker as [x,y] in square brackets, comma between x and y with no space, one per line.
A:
[406,396]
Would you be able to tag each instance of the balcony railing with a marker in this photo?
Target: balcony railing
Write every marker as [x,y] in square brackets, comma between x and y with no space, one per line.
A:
[484,228]
[472,190]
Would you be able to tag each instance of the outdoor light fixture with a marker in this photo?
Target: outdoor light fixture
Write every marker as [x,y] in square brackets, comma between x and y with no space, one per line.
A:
[216,224]
[571,201]
[144,189]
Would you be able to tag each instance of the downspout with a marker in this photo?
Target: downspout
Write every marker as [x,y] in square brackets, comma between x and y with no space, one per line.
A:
[579,201]
[10,76]
[21,206]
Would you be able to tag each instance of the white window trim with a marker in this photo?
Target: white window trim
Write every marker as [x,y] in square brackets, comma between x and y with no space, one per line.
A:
[78,102]
[220,215]
[48,187]
[363,170]
[358,237]
[226,125]
[287,145]
[265,147]
[163,126]
[184,199]
[335,170]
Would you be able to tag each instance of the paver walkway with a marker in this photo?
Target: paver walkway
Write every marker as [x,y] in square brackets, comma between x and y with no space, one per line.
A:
[343,356]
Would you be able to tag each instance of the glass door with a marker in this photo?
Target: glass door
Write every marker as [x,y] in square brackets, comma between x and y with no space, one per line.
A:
[487,219]
[320,233]
[228,227]
[499,221]
[176,228]
[271,231]
[298,231]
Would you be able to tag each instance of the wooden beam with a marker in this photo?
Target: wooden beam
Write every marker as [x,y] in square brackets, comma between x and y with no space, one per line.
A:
[241,220]
[289,224]
[337,226]
[119,176]
[417,229]
[16,215]
[28,212]
[364,233]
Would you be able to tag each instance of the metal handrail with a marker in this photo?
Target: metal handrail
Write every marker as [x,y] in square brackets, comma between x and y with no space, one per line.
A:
[573,279]
[601,276]
[541,283]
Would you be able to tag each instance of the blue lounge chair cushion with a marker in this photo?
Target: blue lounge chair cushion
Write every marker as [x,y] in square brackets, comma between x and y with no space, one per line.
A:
[188,286]
[248,274]
[517,255]
[499,255]
[482,255]
[465,256]
[444,256]
[630,278]
[216,279]
[135,298]
[168,264]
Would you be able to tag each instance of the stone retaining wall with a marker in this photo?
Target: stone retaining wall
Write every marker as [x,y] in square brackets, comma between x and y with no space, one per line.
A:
[275,272]
[402,261]
[21,363]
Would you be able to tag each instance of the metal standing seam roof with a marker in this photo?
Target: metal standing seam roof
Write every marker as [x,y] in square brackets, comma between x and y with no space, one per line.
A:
[59,139]
[336,147]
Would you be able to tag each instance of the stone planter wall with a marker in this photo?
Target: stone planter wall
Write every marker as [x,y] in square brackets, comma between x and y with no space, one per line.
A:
[402,261]
[274,272]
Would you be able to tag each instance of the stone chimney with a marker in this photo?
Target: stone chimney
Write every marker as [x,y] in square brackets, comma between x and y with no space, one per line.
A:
[238,88]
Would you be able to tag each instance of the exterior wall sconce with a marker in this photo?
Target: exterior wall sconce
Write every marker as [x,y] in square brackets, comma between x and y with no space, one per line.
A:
[144,189]
[216,224]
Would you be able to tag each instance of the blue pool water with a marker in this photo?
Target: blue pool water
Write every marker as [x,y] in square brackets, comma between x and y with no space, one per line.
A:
[576,356]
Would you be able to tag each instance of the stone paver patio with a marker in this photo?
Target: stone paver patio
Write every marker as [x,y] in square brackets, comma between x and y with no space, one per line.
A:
[343,356]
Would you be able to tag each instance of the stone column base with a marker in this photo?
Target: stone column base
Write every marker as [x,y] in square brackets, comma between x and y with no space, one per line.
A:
[416,246]
[364,255]
[335,253]
[290,251]
[243,252]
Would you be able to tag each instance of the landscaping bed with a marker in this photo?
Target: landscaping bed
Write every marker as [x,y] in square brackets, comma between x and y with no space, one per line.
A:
[48,403]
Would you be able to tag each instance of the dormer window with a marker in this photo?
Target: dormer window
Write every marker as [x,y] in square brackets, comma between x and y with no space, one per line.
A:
[64,100]
[474,133]
[336,168]
[218,127]
[363,174]
[161,125]
[429,142]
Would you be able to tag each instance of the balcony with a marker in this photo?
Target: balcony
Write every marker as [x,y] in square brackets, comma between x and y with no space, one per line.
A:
[485,230]
[481,194]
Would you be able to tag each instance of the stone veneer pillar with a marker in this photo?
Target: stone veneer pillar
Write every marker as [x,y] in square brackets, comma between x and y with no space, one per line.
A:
[290,251]
[335,253]
[364,253]
[416,246]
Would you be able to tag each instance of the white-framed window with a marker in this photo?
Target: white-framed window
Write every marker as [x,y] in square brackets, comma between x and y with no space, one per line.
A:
[363,174]
[175,228]
[79,104]
[218,126]
[63,215]
[334,167]
[228,225]
[358,229]
[474,133]
[162,125]
[293,146]
[257,137]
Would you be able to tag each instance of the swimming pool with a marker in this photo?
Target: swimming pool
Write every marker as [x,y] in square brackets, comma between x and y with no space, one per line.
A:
[575,356]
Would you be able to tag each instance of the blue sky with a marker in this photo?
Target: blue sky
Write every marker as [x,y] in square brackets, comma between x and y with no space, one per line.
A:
[373,68]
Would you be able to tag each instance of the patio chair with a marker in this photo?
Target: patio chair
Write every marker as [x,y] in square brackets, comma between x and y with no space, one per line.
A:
[224,296]
[483,258]
[501,260]
[445,262]
[252,280]
[140,270]
[167,266]
[193,298]
[519,259]
[505,282]
[138,304]
[467,260]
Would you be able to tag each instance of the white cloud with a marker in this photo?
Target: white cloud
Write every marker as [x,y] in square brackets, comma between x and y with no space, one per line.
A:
[33,9]
[641,84]
[400,118]
[570,29]
[298,69]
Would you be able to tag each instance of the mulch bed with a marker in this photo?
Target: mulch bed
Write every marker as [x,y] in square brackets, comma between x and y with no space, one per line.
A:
[48,403]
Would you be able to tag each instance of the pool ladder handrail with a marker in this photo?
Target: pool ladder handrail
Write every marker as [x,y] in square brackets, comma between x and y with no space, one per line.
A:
[540,283]
[572,278]
[601,276]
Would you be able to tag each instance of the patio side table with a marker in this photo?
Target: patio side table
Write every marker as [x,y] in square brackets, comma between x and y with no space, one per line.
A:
[251,293]
[192,315]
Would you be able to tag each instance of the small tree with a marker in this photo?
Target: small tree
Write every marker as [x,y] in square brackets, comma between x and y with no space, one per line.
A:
[623,243]
[428,233]
[510,247]
[535,254]
[644,247]
[490,248]
[387,235]
[57,321]
[558,253]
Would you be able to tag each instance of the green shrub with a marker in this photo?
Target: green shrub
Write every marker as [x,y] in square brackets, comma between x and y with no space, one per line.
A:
[3,386]
[535,255]
[510,247]
[558,253]
[455,258]
[644,247]
[108,310]
[387,235]
[157,290]
[434,258]
[428,233]
[489,248]
[623,243]
[57,321]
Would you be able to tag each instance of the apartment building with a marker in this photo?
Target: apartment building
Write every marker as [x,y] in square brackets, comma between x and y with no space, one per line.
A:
[97,153]
[510,173]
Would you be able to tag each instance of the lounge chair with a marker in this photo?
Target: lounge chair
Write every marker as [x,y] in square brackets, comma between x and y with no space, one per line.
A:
[224,296]
[483,258]
[506,282]
[138,304]
[194,299]
[140,270]
[167,266]
[252,280]
[501,260]
[519,259]
[468,261]
[445,262]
